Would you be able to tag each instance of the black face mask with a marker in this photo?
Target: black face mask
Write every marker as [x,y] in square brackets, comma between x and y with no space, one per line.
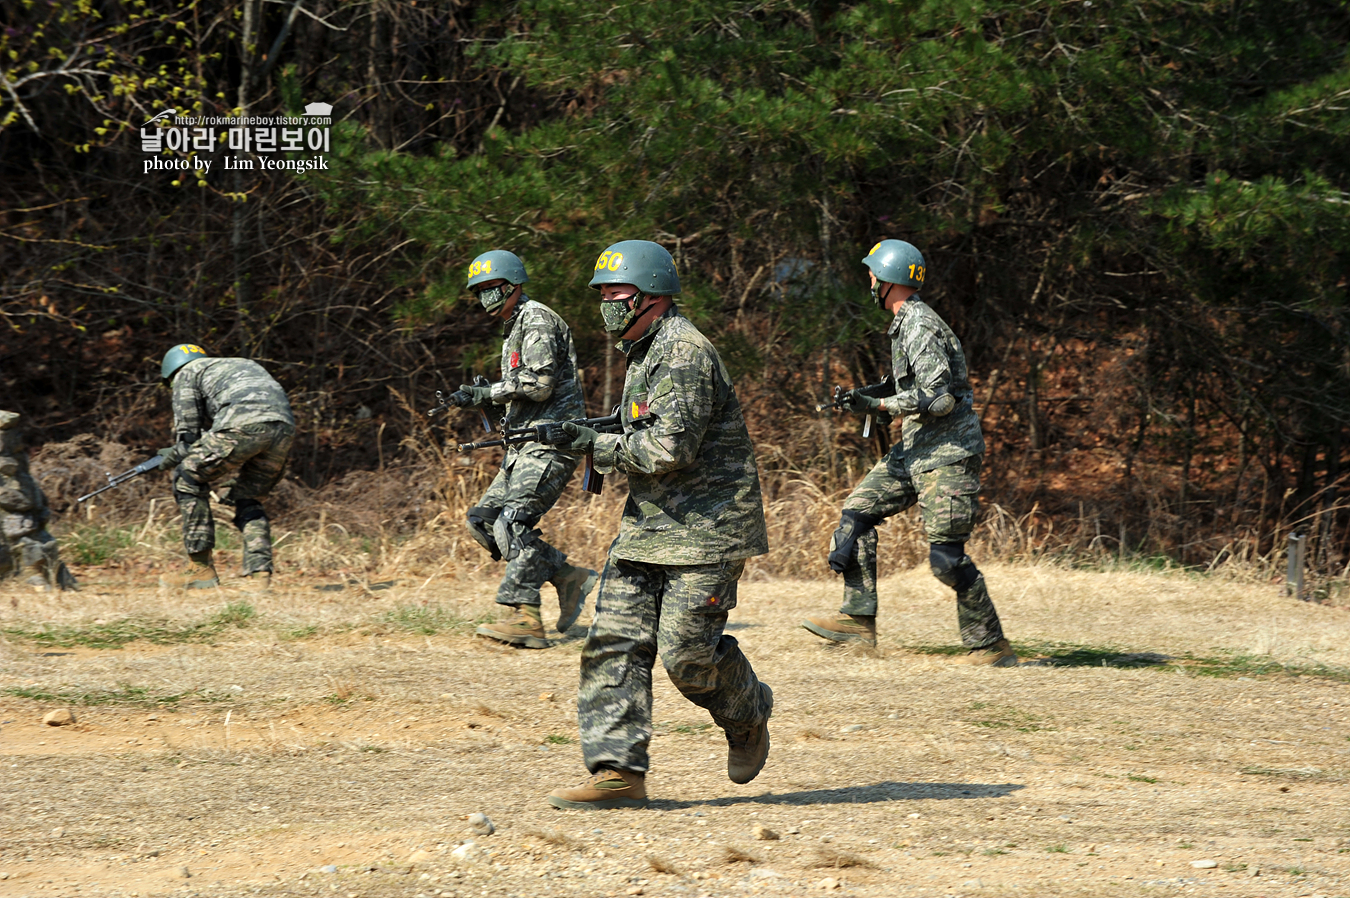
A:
[493,298]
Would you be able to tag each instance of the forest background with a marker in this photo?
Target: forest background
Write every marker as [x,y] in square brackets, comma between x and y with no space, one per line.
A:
[1136,215]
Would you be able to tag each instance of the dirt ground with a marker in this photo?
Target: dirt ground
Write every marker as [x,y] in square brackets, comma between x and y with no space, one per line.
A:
[1166,744]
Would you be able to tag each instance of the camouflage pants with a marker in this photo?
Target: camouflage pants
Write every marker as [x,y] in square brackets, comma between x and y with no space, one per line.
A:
[948,499]
[247,463]
[530,481]
[679,612]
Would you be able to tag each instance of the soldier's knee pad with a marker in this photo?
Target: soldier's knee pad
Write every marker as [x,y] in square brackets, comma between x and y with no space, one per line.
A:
[481,518]
[853,525]
[951,565]
[513,531]
[246,511]
[187,486]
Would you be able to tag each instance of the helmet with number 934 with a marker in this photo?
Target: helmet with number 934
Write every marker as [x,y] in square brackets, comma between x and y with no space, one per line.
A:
[897,262]
[179,356]
[496,264]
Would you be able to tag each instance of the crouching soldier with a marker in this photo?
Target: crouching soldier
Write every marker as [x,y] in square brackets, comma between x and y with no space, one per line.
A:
[233,426]
[27,550]
[539,385]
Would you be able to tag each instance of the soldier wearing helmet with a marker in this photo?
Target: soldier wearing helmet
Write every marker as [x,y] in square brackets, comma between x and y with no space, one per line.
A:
[694,515]
[539,385]
[937,465]
[234,428]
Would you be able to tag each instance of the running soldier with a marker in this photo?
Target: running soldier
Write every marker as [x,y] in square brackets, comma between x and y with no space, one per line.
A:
[27,550]
[539,385]
[234,428]
[937,465]
[694,514]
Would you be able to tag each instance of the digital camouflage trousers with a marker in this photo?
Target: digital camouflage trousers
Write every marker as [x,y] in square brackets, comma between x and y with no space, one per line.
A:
[948,499]
[678,612]
[530,482]
[244,465]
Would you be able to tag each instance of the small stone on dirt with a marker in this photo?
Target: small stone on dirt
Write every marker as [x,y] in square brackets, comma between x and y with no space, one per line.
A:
[547,697]
[468,853]
[1204,865]
[972,884]
[765,873]
[328,868]
[59,718]
[829,883]
[764,834]
[183,873]
[481,825]
[851,728]
[421,856]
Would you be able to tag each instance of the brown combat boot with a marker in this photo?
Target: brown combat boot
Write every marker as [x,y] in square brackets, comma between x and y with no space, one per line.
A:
[259,583]
[748,745]
[1000,654]
[856,628]
[202,574]
[607,790]
[525,628]
[573,585]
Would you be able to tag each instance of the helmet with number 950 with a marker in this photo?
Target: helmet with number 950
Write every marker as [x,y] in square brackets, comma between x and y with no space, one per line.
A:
[179,356]
[496,264]
[897,262]
[642,263]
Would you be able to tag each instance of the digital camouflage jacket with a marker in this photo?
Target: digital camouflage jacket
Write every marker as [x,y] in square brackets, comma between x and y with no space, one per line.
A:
[693,487]
[225,394]
[926,356]
[539,368]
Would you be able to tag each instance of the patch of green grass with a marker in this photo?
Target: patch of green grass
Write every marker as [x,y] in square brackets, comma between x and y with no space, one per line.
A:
[427,619]
[1221,664]
[553,739]
[1296,871]
[115,634]
[993,852]
[373,749]
[690,729]
[96,543]
[1303,840]
[1058,848]
[1185,846]
[125,695]
[1135,778]
[296,633]
[1234,868]
[1004,717]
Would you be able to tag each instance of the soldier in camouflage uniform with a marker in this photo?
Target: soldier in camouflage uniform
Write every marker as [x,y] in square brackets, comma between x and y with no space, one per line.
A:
[27,550]
[937,465]
[539,385]
[694,514]
[234,428]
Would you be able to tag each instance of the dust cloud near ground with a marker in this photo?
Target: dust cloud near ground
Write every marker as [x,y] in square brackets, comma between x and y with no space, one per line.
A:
[1172,735]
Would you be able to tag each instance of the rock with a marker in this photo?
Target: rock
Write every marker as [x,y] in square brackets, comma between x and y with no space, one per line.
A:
[829,883]
[481,825]
[1204,865]
[793,831]
[765,873]
[972,884]
[764,834]
[547,697]
[634,890]
[328,868]
[59,718]
[851,728]
[469,853]
[183,873]
[421,856]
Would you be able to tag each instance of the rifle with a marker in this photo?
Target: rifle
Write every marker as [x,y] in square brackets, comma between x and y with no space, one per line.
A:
[148,465]
[877,391]
[592,481]
[459,399]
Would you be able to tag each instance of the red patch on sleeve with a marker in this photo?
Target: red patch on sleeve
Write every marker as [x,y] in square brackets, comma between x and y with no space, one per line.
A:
[515,360]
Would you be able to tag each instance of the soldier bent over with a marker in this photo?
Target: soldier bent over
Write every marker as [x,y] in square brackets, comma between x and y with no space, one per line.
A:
[539,385]
[937,465]
[694,514]
[27,550]
[234,427]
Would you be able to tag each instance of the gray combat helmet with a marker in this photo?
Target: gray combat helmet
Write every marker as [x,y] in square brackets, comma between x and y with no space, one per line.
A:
[643,264]
[179,356]
[490,266]
[896,262]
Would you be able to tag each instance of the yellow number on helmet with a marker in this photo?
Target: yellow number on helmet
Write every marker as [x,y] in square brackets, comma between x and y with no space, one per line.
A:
[615,261]
[602,261]
[873,250]
[193,348]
